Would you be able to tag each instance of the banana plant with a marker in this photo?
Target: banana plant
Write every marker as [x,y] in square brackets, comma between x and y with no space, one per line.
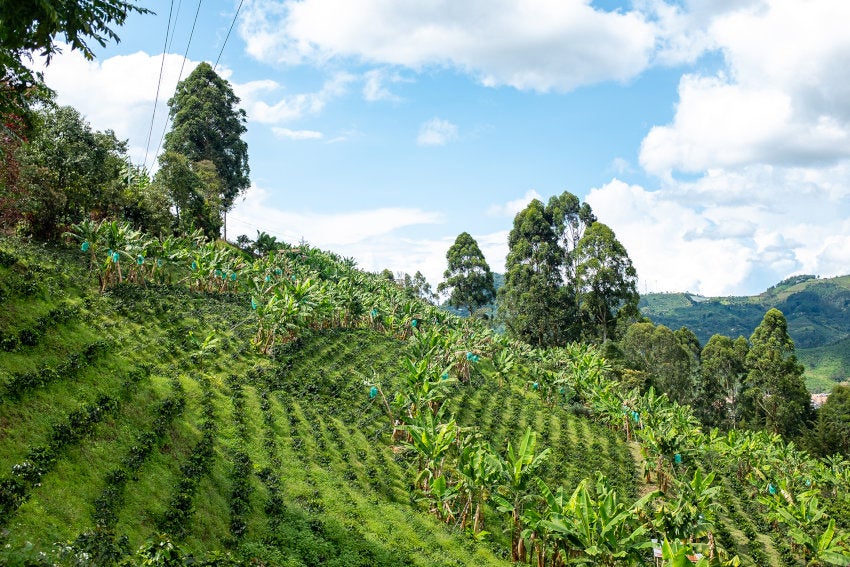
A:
[477,469]
[691,517]
[90,235]
[594,527]
[431,439]
[517,472]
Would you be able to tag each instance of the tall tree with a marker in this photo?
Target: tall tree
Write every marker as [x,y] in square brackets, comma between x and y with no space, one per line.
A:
[208,125]
[606,282]
[468,276]
[533,304]
[658,354]
[193,191]
[831,432]
[775,394]
[722,371]
[570,218]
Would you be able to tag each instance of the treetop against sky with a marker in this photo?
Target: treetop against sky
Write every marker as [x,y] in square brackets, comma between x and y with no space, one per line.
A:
[713,138]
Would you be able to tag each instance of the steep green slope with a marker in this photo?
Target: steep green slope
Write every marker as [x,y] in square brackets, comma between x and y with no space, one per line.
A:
[817,311]
[146,411]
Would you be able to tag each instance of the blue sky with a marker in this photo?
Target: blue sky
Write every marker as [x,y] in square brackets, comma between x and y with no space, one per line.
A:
[712,136]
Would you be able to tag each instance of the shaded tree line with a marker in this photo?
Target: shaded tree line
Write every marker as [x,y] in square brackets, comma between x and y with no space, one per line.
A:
[744,383]
[58,171]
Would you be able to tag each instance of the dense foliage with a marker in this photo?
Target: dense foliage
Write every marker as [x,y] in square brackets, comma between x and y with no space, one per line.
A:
[568,277]
[468,277]
[207,125]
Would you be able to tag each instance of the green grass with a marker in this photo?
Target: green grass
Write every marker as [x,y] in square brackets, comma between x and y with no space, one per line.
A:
[326,484]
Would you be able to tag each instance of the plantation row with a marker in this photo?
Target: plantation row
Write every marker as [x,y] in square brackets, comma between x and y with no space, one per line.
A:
[349,437]
[287,303]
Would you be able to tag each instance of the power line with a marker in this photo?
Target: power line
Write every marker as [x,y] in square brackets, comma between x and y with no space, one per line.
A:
[182,65]
[159,82]
[236,15]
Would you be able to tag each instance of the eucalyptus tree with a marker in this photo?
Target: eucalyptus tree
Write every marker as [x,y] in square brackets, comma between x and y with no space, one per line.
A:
[606,282]
[775,394]
[208,125]
[568,277]
[192,189]
[656,351]
[570,219]
[722,371]
[469,280]
[533,304]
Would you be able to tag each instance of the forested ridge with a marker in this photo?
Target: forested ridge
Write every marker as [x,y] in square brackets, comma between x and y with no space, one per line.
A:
[816,310]
[172,396]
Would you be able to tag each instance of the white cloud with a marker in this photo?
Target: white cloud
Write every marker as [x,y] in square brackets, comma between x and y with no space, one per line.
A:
[375,238]
[783,100]
[118,93]
[288,134]
[511,208]
[375,85]
[327,230]
[436,132]
[534,45]
[732,232]
[292,106]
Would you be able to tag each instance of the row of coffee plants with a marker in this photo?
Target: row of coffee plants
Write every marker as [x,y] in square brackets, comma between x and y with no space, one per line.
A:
[12,339]
[175,521]
[19,383]
[24,476]
[101,545]
[241,467]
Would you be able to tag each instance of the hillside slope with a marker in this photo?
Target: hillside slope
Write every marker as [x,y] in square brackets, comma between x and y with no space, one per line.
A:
[817,311]
[143,418]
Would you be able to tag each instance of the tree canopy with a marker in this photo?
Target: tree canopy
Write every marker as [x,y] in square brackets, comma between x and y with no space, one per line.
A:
[568,277]
[468,276]
[32,28]
[208,125]
[775,394]
[606,282]
[532,302]
[68,171]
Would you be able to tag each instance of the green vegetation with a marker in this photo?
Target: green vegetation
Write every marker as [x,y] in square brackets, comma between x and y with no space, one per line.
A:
[167,398]
[468,277]
[568,278]
[815,309]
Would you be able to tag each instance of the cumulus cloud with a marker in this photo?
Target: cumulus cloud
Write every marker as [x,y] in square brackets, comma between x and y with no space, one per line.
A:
[535,45]
[376,238]
[511,208]
[783,98]
[118,93]
[436,132]
[329,230]
[705,237]
[289,107]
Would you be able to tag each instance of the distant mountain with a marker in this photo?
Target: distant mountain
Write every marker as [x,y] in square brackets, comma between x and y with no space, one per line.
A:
[817,310]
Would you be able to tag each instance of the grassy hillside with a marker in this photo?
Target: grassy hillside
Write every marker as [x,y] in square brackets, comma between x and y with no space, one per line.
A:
[817,311]
[146,411]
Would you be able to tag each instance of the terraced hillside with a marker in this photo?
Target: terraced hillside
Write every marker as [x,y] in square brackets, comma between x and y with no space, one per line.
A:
[294,411]
[144,418]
